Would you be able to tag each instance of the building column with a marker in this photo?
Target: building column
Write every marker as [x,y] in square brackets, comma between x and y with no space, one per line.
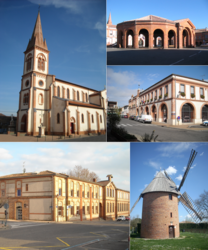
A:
[54,90]
[34,122]
[135,40]
[89,123]
[124,38]
[78,123]
[180,37]
[27,123]
[90,203]
[165,37]
[151,40]
[49,123]
[64,123]
[69,124]
[80,209]
[50,97]
[98,122]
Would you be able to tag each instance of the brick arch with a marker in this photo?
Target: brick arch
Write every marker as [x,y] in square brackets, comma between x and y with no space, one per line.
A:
[120,38]
[206,103]
[146,34]
[163,36]
[154,114]
[141,109]
[160,110]
[175,41]
[194,111]
[146,110]
[129,32]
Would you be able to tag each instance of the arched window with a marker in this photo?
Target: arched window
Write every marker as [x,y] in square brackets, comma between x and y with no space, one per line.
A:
[41,62]
[67,93]
[58,91]
[86,97]
[25,98]
[27,83]
[92,119]
[28,61]
[77,95]
[82,118]
[40,99]
[72,188]
[77,189]
[60,187]
[100,119]
[58,118]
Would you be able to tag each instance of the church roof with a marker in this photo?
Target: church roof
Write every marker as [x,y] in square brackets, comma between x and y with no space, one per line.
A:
[153,19]
[37,36]
[109,19]
[161,184]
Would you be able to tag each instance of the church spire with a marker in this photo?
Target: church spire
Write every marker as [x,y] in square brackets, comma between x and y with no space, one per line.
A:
[109,19]
[37,35]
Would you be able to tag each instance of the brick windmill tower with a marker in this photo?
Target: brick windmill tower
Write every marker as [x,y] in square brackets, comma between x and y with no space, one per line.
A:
[160,218]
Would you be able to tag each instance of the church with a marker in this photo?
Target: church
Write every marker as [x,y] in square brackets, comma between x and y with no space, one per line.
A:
[61,107]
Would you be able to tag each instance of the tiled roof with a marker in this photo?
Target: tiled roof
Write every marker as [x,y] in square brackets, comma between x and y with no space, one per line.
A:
[161,184]
[153,18]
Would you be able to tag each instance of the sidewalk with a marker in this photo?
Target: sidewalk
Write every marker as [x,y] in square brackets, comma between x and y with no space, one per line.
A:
[188,126]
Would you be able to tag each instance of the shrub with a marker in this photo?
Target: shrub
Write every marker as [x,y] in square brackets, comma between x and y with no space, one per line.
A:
[151,100]
[160,96]
[149,138]
[166,94]
[183,94]
[202,96]
[192,95]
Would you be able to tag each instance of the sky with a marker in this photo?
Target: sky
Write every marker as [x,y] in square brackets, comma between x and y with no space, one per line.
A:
[101,158]
[175,10]
[123,81]
[147,158]
[75,33]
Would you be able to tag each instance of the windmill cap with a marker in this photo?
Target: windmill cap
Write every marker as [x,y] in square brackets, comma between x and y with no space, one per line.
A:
[161,184]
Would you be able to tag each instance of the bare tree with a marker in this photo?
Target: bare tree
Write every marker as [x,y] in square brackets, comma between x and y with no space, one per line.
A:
[202,203]
[83,173]
[3,201]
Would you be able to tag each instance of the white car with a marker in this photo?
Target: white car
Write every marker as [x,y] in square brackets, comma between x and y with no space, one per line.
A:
[121,218]
[145,118]
[205,123]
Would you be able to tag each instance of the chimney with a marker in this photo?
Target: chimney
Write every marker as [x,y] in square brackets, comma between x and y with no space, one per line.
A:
[94,180]
[109,177]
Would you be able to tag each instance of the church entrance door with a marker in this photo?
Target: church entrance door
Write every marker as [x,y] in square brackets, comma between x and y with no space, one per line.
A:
[72,128]
[23,123]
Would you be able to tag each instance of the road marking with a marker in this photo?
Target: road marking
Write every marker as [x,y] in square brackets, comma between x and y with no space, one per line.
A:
[82,244]
[63,242]
[199,51]
[177,61]
[129,124]
[119,230]
[98,234]
[193,55]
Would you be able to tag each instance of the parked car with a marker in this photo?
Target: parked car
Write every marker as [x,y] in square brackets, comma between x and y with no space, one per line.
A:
[125,116]
[127,218]
[131,117]
[121,218]
[205,123]
[136,118]
[145,118]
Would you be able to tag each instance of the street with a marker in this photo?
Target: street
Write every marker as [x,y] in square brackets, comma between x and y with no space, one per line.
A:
[130,56]
[165,134]
[61,236]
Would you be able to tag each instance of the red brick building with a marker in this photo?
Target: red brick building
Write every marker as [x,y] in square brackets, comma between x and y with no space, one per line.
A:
[152,31]
[160,209]
[201,36]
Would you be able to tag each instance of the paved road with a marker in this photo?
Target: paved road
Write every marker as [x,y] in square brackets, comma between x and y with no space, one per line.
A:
[62,236]
[195,56]
[164,133]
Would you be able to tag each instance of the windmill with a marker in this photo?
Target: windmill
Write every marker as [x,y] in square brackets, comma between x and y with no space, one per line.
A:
[160,205]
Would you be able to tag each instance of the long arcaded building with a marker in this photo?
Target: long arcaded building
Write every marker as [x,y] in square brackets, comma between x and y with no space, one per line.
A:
[51,196]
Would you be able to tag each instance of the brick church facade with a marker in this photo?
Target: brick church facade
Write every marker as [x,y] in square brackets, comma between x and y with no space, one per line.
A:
[152,31]
[50,196]
[62,107]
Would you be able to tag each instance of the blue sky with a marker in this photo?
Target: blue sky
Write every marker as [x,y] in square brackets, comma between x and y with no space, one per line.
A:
[147,158]
[101,158]
[123,10]
[75,33]
[123,81]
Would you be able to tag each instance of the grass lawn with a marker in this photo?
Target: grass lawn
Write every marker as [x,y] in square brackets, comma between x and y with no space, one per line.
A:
[197,241]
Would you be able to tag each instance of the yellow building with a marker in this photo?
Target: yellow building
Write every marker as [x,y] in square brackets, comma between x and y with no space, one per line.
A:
[51,196]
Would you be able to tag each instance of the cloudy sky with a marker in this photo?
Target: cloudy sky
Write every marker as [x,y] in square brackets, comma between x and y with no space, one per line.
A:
[102,158]
[123,81]
[128,10]
[147,158]
[75,34]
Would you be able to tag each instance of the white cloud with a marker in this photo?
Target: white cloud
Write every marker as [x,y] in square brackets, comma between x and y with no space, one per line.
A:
[180,177]
[175,148]
[193,166]
[145,185]
[171,170]
[101,27]
[4,154]
[154,164]
[152,76]
[201,154]
[72,5]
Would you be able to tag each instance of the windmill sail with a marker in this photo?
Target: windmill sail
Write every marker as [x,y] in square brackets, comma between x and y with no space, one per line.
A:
[166,174]
[191,207]
[191,159]
[135,203]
